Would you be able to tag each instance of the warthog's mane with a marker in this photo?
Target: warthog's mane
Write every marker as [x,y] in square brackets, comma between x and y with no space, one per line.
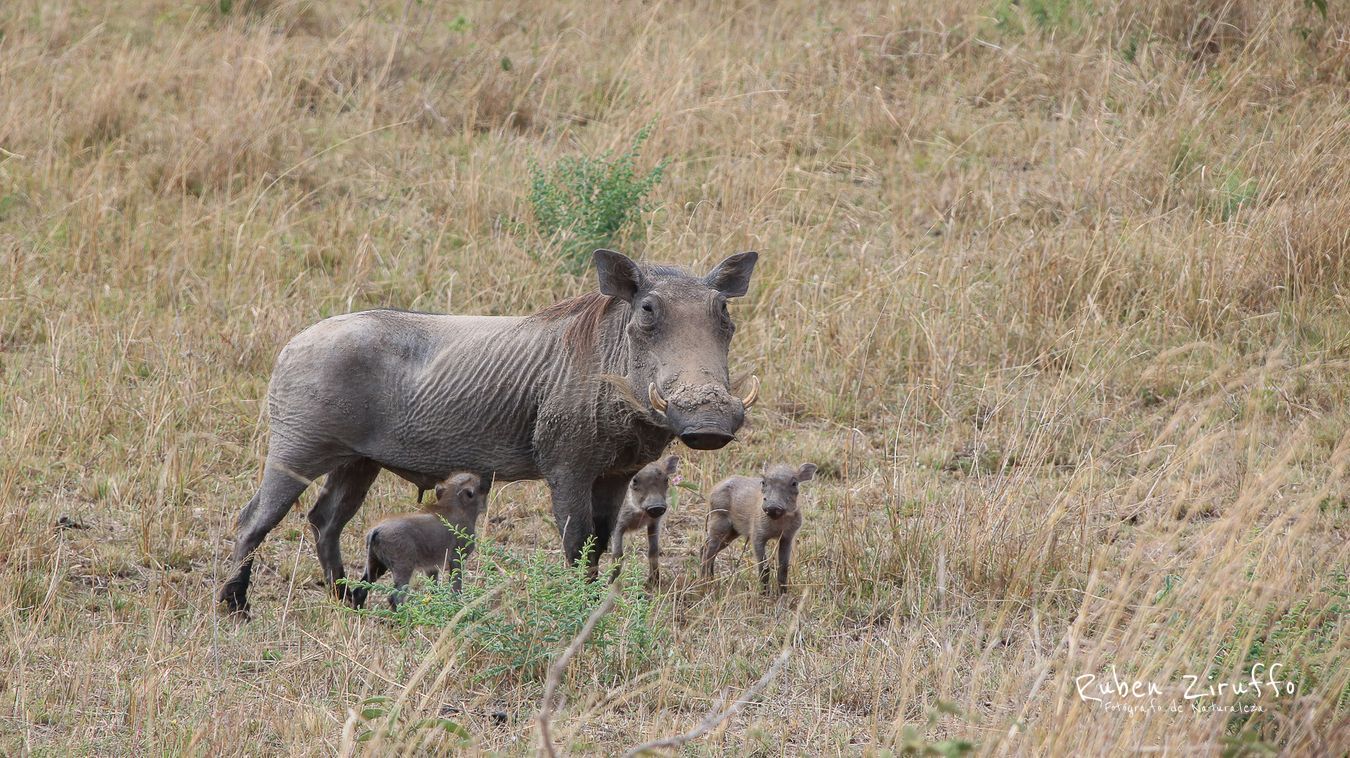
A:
[586,312]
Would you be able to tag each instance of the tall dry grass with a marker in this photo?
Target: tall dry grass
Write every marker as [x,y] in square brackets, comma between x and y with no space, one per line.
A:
[1059,306]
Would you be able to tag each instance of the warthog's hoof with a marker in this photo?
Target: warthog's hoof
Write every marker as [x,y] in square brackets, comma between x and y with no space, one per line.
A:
[235,601]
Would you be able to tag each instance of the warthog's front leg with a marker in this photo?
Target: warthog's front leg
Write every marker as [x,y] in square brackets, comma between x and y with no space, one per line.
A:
[607,494]
[402,576]
[572,514]
[344,491]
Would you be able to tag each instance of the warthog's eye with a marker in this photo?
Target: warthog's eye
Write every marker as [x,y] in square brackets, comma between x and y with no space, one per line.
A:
[647,314]
[468,493]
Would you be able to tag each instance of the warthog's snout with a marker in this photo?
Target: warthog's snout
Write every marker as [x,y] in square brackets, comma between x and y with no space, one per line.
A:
[656,510]
[774,511]
[706,438]
[705,417]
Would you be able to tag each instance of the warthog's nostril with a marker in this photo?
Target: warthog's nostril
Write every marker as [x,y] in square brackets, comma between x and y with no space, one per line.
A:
[774,512]
[706,439]
[656,511]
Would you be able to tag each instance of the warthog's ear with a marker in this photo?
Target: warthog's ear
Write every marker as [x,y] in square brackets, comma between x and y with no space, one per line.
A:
[619,276]
[441,488]
[671,464]
[732,276]
[807,472]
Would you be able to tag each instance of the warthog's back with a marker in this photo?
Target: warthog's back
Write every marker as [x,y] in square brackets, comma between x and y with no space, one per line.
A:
[416,392]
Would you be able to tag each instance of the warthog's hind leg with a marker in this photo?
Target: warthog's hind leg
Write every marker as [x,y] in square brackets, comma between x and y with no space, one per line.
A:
[281,486]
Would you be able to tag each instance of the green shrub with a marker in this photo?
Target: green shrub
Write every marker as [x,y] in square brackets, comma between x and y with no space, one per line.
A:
[532,605]
[583,203]
[1019,16]
[1306,639]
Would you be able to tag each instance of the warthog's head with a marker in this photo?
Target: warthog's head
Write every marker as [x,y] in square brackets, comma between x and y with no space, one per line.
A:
[462,493]
[649,485]
[678,333]
[780,488]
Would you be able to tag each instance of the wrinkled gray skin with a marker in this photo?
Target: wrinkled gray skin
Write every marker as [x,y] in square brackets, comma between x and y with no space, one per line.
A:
[762,509]
[422,541]
[508,398]
[644,507]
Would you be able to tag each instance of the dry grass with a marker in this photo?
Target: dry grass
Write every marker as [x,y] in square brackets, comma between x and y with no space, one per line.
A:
[1060,308]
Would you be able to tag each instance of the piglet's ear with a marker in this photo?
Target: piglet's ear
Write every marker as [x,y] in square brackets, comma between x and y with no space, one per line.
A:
[440,490]
[672,463]
[807,472]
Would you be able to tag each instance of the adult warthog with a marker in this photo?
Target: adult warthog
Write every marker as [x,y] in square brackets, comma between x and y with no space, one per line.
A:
[582,395]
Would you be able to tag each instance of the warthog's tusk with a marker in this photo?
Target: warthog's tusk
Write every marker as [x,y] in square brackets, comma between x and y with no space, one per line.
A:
[654,397]
[753,394]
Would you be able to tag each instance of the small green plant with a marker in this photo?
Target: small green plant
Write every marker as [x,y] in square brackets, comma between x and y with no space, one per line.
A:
[520,610]
[1170,582]
[1234,193]
[380,715]
[912,742]
[1187,158]
[1130,50]
[582,203]
[1012,16]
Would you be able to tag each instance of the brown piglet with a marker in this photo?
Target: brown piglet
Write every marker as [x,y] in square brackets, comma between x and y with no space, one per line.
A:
[762,509]
[421,541]
[645,505]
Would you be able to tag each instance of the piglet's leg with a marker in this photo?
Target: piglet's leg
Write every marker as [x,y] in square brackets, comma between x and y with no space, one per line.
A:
[784,556]
[762,560]
[653,553]
[720,535]
[401,579]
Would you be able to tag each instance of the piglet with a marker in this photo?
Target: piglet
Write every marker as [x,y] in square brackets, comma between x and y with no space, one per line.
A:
[409,542]
[645,505]
[762,509]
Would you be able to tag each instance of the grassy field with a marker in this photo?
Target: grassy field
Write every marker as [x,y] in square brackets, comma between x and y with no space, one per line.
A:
[1054,292]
